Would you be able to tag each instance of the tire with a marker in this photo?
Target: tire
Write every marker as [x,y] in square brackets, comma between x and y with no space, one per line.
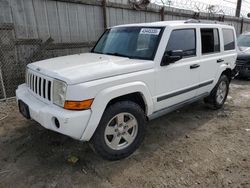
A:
[218,96]
[123,123]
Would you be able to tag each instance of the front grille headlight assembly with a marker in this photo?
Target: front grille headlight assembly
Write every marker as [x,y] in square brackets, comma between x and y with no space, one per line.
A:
[59,92]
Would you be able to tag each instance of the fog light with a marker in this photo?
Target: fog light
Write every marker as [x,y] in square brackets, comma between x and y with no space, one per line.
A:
[57,123]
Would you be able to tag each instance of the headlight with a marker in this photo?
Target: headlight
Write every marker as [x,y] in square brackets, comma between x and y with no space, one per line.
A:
[59,92]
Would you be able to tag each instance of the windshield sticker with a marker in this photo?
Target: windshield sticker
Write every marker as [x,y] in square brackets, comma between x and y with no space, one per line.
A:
[150,31]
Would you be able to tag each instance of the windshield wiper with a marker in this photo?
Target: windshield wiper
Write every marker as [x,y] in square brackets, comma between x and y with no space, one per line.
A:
[117,54]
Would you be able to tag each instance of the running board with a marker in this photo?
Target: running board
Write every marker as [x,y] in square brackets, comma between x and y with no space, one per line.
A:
[176,106]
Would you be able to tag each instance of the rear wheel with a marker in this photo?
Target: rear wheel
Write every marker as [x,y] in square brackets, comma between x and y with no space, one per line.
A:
[219,94]
[120,131]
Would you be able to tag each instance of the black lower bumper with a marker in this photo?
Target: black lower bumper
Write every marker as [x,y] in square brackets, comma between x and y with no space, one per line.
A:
[234,73]
[243,71]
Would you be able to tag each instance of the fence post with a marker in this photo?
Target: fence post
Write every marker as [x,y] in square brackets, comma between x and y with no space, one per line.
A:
[162,12]
[3,86]
[104,8]
[241,26]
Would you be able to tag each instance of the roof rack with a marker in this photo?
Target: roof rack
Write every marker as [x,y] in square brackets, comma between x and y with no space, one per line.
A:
[202,21]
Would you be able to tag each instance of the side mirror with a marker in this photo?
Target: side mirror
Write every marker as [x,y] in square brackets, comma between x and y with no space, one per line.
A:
[171,57]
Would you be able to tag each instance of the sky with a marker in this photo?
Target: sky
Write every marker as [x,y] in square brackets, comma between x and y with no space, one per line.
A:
[227,6]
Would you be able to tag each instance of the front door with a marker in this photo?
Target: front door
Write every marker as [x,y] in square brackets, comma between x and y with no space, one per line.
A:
[178,81]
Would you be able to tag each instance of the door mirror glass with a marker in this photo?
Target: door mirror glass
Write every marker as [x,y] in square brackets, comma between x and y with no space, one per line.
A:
[171,57]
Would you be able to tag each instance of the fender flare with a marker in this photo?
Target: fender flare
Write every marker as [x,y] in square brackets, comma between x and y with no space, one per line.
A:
[222,68]
[106,95]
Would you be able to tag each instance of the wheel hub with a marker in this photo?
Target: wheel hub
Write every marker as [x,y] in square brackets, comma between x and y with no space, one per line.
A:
[221,92]
[121,131]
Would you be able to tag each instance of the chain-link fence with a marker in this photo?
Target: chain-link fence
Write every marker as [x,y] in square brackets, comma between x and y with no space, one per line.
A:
[16,53]
[6,58]
[33,30]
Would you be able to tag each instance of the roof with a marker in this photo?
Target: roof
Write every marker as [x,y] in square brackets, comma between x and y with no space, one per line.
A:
[190,22]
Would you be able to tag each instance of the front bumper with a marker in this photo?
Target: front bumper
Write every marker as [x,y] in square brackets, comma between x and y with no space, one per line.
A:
[72,123]
[243,69]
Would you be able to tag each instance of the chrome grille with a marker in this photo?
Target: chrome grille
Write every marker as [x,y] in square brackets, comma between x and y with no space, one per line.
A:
[39,85]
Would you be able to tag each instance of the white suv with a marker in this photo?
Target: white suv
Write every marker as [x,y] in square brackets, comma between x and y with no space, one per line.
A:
[134,73]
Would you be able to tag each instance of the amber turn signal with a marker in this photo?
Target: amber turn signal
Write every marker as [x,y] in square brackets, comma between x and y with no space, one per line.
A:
[78,105]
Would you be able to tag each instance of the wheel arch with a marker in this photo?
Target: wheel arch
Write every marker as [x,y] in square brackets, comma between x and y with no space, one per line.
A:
[224,69]
[137,90]
[136,97]
[228,73]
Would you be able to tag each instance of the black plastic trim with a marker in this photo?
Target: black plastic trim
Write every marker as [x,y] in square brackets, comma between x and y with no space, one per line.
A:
[164,97]
[176,106]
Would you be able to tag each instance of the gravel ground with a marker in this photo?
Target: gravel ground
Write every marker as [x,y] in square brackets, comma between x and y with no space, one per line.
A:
[192,147]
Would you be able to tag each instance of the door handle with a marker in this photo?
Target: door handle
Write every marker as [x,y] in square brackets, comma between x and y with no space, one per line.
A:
[194,66]
[220,60]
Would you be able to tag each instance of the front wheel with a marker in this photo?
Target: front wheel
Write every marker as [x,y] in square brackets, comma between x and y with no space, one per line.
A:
[120,131]
[219,94]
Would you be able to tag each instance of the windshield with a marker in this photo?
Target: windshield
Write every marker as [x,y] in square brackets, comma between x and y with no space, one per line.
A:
[131,42]
[244,41]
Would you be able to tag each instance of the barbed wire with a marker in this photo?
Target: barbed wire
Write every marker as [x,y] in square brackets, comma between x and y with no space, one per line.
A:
[139,4]
[199,6]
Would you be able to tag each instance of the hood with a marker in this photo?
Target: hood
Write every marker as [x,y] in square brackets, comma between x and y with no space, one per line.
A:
[85,67]
[243,50]
[243,54]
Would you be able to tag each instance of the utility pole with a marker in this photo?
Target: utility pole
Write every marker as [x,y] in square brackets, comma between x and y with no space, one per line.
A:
[237,13]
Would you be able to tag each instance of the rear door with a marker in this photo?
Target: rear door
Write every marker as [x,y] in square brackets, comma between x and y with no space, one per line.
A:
[229,54]
[210,57]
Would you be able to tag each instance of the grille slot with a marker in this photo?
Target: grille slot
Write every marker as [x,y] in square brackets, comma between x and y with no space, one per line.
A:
[49,90]
[39,85]
[44,88]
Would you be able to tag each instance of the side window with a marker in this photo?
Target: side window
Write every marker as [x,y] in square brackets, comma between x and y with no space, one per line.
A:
[210,41]
[182,39]
[229,41]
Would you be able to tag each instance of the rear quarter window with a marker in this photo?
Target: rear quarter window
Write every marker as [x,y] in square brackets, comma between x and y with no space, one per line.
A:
[229,40]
